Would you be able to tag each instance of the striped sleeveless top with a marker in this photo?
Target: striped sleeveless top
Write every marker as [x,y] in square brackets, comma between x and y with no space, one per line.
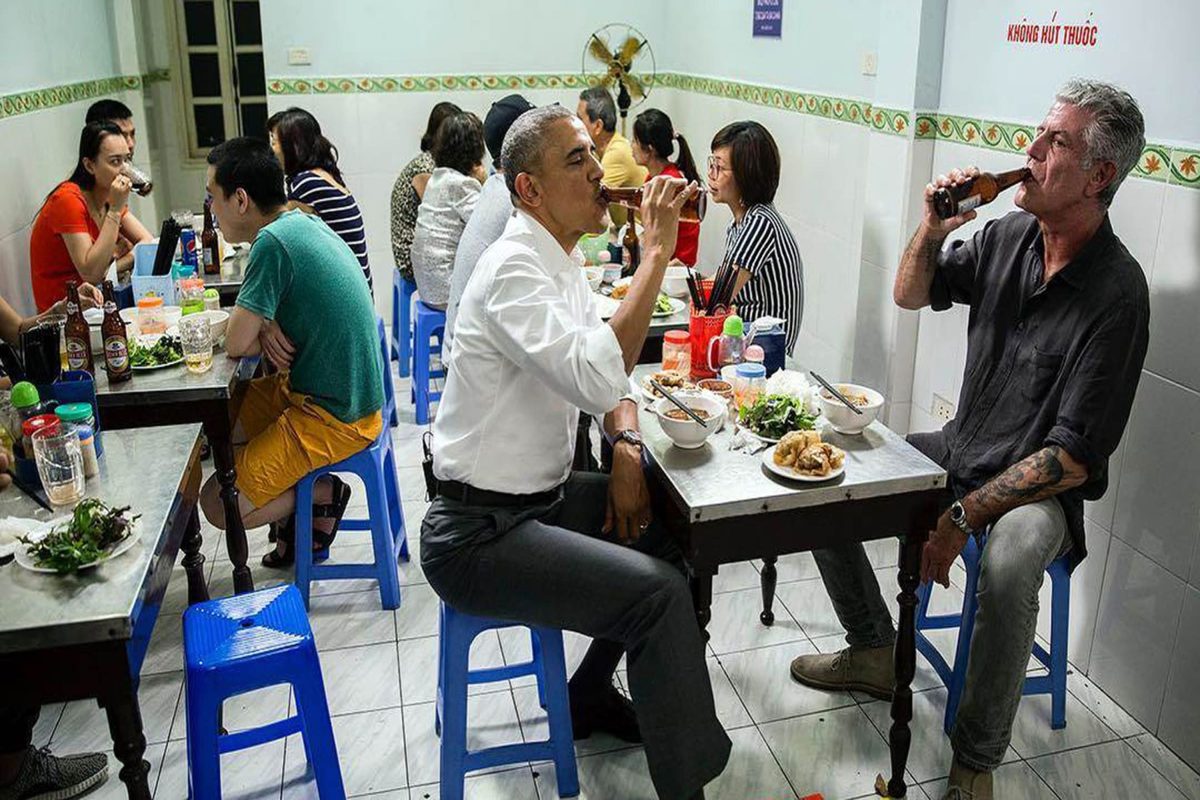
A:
[336,209]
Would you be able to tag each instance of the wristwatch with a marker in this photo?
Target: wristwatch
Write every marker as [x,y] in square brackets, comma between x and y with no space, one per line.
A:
[958,515]
[628,435]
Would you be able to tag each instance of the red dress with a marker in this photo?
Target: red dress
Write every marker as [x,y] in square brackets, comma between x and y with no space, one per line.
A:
[688,240]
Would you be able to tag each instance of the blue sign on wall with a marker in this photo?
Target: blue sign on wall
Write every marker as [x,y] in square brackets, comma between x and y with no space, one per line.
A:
[768,18]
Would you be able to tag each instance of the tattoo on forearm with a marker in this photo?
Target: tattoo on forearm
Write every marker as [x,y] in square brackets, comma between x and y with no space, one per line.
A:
[1044,474]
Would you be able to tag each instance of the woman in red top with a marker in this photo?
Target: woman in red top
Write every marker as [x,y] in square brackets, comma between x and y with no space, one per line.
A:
[76,230]
[654,139]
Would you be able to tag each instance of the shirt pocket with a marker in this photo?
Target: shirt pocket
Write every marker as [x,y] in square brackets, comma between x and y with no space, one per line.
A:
[1038,373]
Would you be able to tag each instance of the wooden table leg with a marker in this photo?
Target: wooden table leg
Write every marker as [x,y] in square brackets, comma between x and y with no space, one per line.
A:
[769,578]
[702,599]
[235,529]
[129,741]
[193,560]
[900,736]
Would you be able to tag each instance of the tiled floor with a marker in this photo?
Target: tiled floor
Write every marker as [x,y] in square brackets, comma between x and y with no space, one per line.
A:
[788,741]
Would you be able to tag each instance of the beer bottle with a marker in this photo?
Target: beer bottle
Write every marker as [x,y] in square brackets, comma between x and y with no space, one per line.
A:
[210,248]
[77,333]
[950,201]
[631,255]
[631,197]
[116,344]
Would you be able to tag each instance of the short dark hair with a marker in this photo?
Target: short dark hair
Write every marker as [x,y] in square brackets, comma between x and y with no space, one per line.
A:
[249,164]
[302,143]
[600,106]
[525,143]
[107,110]
[755,158]
[437,116]
[459,142]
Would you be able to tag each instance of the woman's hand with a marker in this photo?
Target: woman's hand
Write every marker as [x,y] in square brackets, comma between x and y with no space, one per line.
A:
[118,193]
[90,297]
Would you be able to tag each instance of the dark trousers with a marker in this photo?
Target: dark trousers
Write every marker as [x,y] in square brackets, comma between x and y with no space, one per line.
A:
[16,726]
[553,566]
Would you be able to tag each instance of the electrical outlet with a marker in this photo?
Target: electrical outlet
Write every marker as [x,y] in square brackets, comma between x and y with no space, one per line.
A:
[299,57]
[870,63]
[942,408]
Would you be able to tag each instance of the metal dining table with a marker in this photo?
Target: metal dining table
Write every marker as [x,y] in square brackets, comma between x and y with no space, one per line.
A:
[173,395]
[726,507]
[229,281]
[84,635]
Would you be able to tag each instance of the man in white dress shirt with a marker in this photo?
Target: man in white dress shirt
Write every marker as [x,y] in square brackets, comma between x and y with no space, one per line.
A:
[513,532]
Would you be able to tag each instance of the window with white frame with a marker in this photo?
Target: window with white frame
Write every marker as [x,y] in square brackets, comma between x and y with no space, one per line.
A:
[223,81]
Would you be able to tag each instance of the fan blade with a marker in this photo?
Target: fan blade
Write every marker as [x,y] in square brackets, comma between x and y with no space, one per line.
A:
[636,90]
[598,49]
[629,50]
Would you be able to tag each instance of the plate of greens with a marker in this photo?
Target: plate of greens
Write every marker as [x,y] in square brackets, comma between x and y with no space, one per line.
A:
[665,306]
[155,351]
[773,415]
[93,534]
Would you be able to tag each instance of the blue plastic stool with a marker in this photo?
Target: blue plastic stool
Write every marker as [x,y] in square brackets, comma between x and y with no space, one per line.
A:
[246,642]
[1054,683]
[389,388]
[430,323]
[456,632]
[402,295]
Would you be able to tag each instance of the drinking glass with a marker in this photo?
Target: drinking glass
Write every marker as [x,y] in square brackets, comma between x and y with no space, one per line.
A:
[59,462]
[195,334]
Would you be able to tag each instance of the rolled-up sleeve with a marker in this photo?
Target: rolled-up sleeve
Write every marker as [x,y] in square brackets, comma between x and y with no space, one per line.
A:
[533,326]
[957,265]
[1099,393]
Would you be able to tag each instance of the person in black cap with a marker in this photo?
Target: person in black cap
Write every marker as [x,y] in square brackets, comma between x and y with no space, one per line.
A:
[492,210]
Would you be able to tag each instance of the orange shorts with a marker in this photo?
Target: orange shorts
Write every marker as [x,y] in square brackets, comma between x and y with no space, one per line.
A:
[289,437]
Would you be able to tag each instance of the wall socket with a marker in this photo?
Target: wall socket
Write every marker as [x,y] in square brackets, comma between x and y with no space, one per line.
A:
[870,63]
[943,409]
[298,56]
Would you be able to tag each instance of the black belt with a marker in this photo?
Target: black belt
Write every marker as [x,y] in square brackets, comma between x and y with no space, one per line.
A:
[465,493]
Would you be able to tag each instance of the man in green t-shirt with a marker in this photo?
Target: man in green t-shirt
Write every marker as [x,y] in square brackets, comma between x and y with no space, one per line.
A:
[305,306]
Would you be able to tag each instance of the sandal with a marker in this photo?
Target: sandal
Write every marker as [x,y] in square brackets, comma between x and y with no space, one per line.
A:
[285,530]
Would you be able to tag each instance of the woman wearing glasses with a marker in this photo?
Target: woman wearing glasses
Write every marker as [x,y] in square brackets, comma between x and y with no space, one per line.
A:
[743,173]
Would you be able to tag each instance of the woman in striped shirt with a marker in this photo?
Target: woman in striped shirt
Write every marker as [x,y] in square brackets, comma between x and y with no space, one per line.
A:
[314,183]
[743,173]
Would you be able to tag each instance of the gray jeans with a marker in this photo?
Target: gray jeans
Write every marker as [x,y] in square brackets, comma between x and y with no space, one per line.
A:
[553,566]
[1021,545]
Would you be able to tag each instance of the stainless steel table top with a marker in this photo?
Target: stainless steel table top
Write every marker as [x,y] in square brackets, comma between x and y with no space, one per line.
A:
[233,271]
[714,482]
[677,321]
[176,383]
[143,468]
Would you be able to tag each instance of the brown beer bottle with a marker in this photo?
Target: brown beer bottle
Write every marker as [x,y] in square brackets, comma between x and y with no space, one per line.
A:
[631,197]
[950,201]
[77,333]
[116,344]
[210,250]
[631,251]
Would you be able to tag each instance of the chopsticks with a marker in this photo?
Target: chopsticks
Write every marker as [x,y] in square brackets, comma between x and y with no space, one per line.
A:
[694,289]
[836,394]
[27,489]
[679,403]
[723,286]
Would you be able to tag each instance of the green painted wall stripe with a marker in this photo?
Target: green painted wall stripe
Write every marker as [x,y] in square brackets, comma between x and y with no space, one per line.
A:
[12,105]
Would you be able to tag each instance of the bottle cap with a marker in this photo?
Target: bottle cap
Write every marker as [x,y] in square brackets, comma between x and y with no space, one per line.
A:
[40,422]
[676,337]
[212,294]
[603,257]
[749,369]
[755,353]
[150,301]
[74,412]
[24,395]
[733,326]
[85,432]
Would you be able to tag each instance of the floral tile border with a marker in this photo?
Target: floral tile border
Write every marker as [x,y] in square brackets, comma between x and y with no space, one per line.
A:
[424,83]
[1179,167]
[12,105]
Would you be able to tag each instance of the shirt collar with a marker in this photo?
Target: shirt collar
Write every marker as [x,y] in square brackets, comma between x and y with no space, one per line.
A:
[1082,267]
[546,246]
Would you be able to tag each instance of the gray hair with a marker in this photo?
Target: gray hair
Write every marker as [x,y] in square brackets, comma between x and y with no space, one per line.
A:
[525,143]
[1116,132]
[600,106]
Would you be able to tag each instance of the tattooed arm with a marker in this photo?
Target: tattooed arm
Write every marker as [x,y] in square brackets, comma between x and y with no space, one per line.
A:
[919,261]
[1046,473]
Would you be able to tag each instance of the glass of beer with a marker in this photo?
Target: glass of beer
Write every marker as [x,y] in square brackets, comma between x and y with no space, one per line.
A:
[195,334]
[59,461]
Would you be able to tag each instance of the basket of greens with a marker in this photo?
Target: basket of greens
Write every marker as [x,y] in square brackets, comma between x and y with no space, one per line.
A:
[773,415]
[93,534]
[149,352]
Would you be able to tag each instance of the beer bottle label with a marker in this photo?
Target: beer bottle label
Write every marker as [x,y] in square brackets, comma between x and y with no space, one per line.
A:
[969,203]
[116,353]
[72,308]
[76,354]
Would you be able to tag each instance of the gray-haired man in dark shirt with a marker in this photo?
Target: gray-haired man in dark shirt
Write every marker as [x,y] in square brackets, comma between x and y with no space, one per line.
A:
[1058,331]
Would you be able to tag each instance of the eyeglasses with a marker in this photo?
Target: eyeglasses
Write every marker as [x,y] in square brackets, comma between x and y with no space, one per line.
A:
[715,167]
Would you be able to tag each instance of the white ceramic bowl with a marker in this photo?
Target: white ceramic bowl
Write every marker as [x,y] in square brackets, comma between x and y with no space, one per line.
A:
[171,316]
[675,282]
[218,321]
[612,272]
[687,433]
[843,419]
[595,275]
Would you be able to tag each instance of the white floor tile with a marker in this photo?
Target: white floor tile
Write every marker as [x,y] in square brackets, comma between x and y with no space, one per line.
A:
[1095,700]
[731,712]
[350,620]
[764,683]
[735,626]
[113,789]
[370,748]
[793,567]
[84,725]
[621,774]
[1016,780]
[733,577]
[1169,765]
[512,784]
[348,552]
[535,727]
[417,615]
[1032,735]
[837,753]
[515,643]
[361,678]
[243,711]
[752,771]
[491,721]
[1107,770]
[165,652]
[809,604]
[47,720]
[419,660]
[253,774]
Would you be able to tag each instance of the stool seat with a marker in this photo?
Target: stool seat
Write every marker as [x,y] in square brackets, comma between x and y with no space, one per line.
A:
[236,645]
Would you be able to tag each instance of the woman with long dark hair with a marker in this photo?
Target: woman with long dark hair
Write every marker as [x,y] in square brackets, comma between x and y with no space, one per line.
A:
[314,183]
[76,229]
[410,187]
[654,141]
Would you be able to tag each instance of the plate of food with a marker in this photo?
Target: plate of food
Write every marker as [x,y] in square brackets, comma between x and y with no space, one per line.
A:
[155,351]
[772,416]
[802,456]
[671,381]
[664,305]
[93,534]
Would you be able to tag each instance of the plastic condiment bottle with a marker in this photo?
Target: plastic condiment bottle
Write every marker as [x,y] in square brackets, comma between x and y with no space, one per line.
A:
[150,315]
[732,345]
[25,400]
[754,354]
[676,352]
[749,384]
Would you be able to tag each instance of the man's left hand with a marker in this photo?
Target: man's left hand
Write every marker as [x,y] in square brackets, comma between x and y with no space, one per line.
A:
[945,544]
[276,345]
[628,498]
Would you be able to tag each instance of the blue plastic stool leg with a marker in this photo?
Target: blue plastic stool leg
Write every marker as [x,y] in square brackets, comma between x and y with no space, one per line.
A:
[318,731]
[456,649]
[966,630]
[304,536]
[203,750]
[552,687]
[535,644]
[395,505]
[394,353]
[381,538]
[420,373]
[1060,622]
[404,336]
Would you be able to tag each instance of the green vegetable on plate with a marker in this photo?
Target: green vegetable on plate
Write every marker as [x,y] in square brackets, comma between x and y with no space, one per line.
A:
[93,530]
[166,350]
[773,415]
